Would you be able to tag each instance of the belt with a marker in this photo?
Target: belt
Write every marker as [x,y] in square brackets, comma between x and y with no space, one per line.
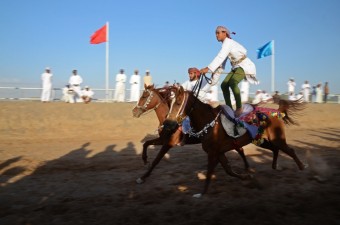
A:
[75,85]
[234,63]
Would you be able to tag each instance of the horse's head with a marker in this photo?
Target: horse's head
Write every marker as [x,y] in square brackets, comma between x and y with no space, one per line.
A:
[148,100]
[178,111]
[152,98]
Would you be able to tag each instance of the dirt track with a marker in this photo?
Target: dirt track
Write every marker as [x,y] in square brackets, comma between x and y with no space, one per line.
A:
[77,164]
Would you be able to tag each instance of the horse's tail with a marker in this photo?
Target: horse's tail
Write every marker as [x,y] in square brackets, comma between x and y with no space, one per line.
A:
[291,109]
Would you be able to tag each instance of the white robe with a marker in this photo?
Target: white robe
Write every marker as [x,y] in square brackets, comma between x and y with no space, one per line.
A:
[244,90]
[75,81]
[120,88]
[233,51]
[291,87]
[134,88]
[318,95]
[306,90]
[203,95]
[46,86]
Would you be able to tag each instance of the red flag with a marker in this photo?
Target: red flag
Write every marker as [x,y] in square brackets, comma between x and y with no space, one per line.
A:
[99,36]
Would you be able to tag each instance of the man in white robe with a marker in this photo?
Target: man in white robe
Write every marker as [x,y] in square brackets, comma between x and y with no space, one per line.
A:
[134,87]
[75,81]
[244,90]
[291,86]
[306,90]
[46,85]
[68,94]
[87,94]
[120,87]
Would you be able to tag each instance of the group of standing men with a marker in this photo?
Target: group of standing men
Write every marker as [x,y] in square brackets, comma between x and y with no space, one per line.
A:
[72,92]
[135,83]
[315,94]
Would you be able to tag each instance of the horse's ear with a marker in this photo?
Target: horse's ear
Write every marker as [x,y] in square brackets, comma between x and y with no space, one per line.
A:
[179,95]
[180,90]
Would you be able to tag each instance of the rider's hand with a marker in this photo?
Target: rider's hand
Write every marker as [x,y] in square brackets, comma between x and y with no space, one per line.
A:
[204,70]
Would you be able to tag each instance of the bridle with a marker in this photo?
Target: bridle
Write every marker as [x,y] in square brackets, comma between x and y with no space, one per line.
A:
[144,107]
[179,116]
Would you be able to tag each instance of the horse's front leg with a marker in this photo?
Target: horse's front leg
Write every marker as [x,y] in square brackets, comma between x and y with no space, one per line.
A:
[226,166]
[212,163]
[156,141]
[165,148]
[240,151]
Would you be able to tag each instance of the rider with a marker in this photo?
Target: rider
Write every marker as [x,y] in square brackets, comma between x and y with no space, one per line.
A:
[194,75]
[241,67]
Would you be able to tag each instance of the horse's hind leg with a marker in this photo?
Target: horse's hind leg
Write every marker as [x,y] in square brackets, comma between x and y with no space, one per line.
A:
[291,152]
[268,145]
[277,144]
[156,141]
[160,155]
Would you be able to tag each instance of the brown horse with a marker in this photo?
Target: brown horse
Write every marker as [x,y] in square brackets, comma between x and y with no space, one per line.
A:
[215,141]
[159,101]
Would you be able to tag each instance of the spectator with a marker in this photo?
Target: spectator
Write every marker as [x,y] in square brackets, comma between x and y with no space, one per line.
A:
[75,82]
[68,94]
[276,97]
[46,85]
[314,94]
[306,91]
[135,87]
[87,95]
[147,78]
[258,97]
[326,92]
[266,98]
[318,93]
[291,87]
[244,90]
[120,87]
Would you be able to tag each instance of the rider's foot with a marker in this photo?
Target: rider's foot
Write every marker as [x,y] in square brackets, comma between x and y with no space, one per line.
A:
[238,112]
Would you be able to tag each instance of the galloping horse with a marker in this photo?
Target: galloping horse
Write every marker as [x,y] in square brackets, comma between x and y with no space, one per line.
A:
[159,100]
[215,141]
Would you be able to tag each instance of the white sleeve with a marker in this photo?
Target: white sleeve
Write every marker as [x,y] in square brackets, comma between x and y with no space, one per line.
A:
[221,57]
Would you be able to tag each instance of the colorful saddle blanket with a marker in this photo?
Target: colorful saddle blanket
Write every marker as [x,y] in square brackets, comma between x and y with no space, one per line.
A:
[253,120]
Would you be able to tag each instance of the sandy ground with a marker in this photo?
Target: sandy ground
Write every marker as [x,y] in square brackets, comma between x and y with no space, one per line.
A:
[77,164]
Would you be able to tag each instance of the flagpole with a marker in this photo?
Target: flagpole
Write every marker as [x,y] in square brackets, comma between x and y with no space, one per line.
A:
[273,68]
[107,63]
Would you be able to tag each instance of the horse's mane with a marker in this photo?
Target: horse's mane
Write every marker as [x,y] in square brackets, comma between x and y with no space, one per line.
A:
[206,107]
[292,109]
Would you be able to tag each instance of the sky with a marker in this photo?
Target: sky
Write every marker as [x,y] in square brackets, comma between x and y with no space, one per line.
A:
[167,37]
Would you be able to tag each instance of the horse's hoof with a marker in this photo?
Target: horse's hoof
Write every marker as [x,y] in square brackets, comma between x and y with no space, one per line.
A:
[278,168]
[139,181]
[305,166]
[251,170]
[197,195]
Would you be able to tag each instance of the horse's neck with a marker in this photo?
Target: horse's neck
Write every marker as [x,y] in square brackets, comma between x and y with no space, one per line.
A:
[162,111]
[201,114]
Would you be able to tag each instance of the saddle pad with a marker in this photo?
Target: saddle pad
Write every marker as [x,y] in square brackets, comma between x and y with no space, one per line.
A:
[229,127]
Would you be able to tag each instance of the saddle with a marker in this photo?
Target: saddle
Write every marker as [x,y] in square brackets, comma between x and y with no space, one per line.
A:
[253,119]
[235,127]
